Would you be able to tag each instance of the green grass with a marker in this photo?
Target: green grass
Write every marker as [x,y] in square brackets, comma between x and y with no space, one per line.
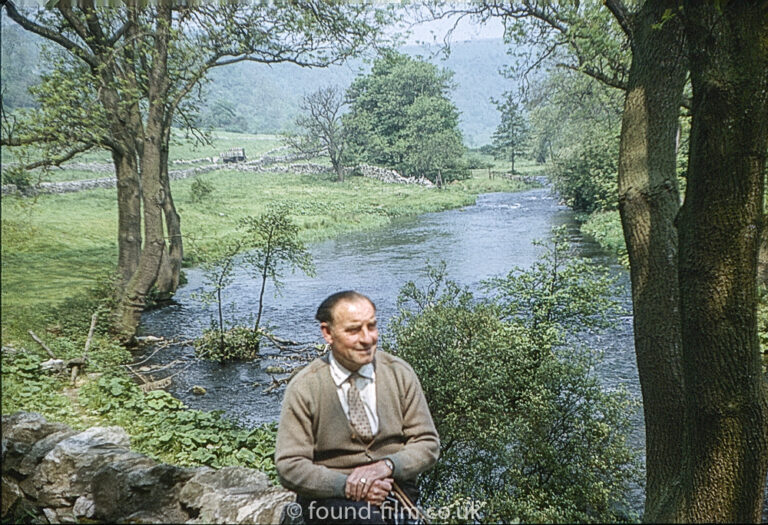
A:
[57,246]
[183,147]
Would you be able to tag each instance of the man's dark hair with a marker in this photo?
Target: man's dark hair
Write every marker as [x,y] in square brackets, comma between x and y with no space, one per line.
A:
[324,311]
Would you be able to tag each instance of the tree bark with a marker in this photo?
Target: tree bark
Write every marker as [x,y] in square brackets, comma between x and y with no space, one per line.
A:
[154,194]
[129,215]
[170,266]
[720,225]
[648,203]
[762,257]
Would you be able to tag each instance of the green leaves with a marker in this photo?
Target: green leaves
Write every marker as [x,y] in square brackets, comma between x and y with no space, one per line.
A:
[524,423]
[401,118]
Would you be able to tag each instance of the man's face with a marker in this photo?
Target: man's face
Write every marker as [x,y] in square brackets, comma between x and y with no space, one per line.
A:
[352,334]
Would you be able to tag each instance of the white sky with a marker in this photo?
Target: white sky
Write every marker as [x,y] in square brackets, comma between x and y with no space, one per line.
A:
[467,29]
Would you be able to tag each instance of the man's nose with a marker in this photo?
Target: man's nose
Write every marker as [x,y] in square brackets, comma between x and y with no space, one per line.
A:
[369,335]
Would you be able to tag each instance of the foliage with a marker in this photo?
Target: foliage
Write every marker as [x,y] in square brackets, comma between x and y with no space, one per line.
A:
[401,117]
[200,190]
[605,228]
[559,295]
[586,178]
[273,244]
[511,136]
[239,343]
[525,425]
[162,427]
[218,268]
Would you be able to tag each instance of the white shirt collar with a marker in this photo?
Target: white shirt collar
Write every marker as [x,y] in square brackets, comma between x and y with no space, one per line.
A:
[341,374]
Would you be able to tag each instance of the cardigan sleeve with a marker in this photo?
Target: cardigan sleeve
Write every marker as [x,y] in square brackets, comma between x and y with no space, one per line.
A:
[294,451]
[421,446]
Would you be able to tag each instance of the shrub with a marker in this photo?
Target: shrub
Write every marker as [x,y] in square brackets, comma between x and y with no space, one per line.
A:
[236,344]
[586,179]
[525,426]
[200,190]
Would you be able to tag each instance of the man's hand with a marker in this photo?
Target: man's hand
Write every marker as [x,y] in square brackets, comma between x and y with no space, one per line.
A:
[360,480]
[379,491]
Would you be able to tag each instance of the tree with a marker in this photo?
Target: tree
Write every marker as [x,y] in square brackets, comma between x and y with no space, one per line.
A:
[141,63]
[690,421]
[273,245]
[719,225]
[323,130]
[511,136]
[401,118]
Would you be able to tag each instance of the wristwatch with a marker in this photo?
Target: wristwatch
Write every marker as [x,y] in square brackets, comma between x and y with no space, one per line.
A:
[388,462]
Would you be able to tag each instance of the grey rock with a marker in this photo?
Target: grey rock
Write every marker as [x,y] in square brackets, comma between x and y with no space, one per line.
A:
[20,433]
[52,365]
[234,495]
[63,476]
[66,471]
[11,495]
[124,488]
[51,516]
[83,508]
[40,449]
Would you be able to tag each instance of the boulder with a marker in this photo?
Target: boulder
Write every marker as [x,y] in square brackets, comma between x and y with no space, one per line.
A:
[20,433]
[140,493]
[234,495]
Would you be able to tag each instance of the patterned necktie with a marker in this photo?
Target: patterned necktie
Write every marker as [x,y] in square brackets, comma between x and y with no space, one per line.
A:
[357,415]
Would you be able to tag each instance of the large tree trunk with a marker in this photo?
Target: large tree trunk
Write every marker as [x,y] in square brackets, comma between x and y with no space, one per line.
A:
[129,215]
[720,225]
[170,268]
[648,203]
[762,257]
[152,185]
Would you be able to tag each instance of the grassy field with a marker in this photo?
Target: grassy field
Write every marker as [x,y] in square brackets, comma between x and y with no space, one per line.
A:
[183,147]
[56,246]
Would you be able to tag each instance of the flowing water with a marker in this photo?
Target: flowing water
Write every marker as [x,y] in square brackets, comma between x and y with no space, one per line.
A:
[476,242]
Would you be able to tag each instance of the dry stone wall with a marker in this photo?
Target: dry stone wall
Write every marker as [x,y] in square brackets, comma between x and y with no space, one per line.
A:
[60,475]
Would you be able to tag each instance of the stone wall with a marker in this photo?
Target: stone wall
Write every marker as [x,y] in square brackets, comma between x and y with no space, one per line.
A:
[266,163]
[386,175]
[59,475]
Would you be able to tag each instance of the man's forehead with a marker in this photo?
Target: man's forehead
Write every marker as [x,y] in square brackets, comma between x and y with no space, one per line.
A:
[353,307]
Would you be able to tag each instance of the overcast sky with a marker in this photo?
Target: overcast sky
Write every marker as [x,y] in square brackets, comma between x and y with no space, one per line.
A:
[466,29]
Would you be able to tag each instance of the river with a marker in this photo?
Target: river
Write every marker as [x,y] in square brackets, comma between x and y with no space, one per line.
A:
[477,242]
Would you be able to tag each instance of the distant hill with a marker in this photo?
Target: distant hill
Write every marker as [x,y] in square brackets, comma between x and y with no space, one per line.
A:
[258,98]
[265,99]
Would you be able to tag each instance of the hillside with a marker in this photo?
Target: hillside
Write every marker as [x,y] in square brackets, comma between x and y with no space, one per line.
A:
[258,98]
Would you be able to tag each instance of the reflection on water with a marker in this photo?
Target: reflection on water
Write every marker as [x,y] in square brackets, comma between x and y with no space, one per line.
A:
[476,242]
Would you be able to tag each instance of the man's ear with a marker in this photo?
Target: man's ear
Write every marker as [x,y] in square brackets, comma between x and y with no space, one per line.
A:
[326,329]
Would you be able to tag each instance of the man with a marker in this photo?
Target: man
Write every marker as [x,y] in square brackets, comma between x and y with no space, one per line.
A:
[353,422]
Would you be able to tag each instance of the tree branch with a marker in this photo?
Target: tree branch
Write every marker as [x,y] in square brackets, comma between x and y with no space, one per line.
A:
[597,75]
[621,14]
[48,34]
[58,161]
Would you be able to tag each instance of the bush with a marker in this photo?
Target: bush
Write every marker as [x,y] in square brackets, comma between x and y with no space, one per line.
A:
[525,426]
[236,344]
[586,179]
[200,190]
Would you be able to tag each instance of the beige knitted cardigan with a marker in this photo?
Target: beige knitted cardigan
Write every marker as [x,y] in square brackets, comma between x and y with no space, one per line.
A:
[317,447]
